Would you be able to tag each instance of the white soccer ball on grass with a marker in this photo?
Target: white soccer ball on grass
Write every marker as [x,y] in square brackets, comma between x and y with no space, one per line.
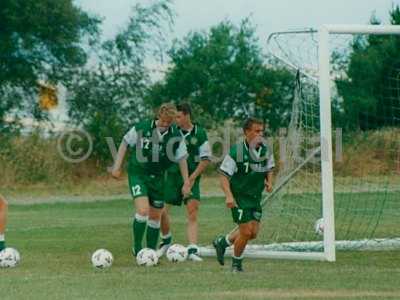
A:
[177,253]
[9,258]
[147,257]
[102,259]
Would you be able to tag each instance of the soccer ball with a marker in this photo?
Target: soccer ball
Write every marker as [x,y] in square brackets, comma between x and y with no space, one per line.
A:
[147,257]
[9,258]
[177,253]
[102,259]
[319,226]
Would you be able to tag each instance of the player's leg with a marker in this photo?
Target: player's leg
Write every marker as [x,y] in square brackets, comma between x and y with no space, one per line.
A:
[192,209]
[247,232]
[166,237]
[3,221]
[222,242]
[173,197]
[155,185]
[153,226]
[139,193]
[140,223]
[248,221]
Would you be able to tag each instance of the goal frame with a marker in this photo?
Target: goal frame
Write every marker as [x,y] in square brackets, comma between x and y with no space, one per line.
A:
[325,99]
[326,127]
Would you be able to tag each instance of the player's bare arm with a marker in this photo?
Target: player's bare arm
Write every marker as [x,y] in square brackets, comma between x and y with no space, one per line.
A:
[116,171]
[269,182]
[199,170]
[185,175]
[225,185]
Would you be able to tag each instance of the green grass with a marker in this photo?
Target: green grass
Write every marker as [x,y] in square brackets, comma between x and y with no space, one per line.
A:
[56,242]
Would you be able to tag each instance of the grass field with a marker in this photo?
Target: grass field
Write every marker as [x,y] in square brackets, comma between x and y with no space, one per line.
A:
[56,242]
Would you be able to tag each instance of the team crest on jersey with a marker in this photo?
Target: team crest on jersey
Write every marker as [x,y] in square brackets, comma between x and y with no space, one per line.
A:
[193,141]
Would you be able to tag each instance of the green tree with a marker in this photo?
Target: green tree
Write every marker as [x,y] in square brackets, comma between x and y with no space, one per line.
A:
[106,98]
[39,40]
[223,74]
[370,89]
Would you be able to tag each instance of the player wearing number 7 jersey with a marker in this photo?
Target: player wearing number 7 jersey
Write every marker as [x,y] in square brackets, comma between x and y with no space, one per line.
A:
[155,146]
[245,172]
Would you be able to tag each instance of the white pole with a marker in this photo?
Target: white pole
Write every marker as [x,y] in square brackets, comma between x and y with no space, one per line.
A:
[363,29]
[326,145]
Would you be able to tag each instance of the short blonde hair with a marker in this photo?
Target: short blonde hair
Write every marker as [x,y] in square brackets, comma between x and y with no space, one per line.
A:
[168,109]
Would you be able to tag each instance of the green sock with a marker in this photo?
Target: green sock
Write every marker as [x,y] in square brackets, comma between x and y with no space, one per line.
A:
[237,261]
[2,242]
[166,239]
[224,242]
[152,234]
[138,228]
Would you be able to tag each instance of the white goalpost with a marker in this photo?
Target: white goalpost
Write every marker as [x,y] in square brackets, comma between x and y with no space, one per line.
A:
[359,203]
[326,125]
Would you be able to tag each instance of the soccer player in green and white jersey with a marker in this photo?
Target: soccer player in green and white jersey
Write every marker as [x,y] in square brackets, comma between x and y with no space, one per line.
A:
[245,172]
[198,159]
[3,221]
[151,143]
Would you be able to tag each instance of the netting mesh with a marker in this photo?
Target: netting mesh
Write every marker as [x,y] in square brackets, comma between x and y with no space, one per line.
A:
[365,79]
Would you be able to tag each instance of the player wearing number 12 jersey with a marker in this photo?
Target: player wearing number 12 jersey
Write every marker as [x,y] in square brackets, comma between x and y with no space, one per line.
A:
[245,172]
[155,145]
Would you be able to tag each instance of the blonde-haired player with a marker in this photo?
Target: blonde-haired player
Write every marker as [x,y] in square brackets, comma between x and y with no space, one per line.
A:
[155,145]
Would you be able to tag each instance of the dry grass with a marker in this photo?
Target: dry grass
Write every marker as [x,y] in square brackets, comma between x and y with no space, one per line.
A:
[32,167]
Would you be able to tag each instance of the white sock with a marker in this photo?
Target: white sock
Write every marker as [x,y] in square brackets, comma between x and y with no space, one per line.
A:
[227,240]
[153,224]
[168,235]
[140,218]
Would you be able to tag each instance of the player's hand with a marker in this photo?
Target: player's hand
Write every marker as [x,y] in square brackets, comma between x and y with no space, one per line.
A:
[230,202]
[268,186]
[116,174]
[186,189]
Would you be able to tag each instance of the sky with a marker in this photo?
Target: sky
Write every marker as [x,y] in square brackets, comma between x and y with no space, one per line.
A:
[268,15]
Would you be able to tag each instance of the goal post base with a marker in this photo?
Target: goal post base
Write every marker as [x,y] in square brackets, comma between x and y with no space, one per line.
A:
[307,250]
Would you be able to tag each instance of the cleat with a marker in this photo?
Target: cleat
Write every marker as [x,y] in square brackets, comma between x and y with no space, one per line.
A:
[162,250]
[220,250]
[237,268]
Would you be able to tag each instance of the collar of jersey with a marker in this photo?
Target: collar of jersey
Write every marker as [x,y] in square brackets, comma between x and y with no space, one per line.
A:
[194,129]
[154,126]
[247,146]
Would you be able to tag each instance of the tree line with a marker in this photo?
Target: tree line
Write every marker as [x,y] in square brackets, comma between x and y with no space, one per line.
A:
[221,71]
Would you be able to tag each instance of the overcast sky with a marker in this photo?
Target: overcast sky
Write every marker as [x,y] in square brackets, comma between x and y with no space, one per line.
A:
[268,15]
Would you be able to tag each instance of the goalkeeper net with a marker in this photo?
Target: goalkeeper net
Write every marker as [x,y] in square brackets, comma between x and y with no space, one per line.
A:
[364,79]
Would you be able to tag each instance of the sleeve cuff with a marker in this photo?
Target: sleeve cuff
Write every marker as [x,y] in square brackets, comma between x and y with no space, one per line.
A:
[222,172]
